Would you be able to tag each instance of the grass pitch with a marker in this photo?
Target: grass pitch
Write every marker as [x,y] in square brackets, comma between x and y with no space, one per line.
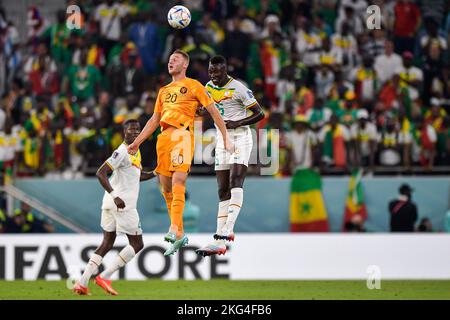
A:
[231,290]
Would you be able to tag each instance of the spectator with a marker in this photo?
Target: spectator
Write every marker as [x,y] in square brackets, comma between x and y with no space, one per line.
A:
[425,225]
[323,80]
[392,94]
[411,77]
[83,81]
[304,99]
[352,19]
[10,145]
[308,42]
[285,89]
[433,71]
[375,44]
[235,47]
[334,138]
[407,22]
[273,54]
[75,135]
[347,114]
[365,82]
[424,143]
[386,64]
[300,145]
[431,37]
[129,78]
[346,42]
[318,116]
[210,30]
[24,221]
[389,148]
[329,56]
[403,211]
[57,37]
[109,15]
[146,37]
[364,135]
[37,24]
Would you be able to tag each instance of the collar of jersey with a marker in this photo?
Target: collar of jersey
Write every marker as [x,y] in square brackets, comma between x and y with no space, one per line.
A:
[217,87]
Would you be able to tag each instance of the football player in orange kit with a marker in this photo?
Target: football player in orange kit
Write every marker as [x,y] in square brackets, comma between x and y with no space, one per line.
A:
[175,110]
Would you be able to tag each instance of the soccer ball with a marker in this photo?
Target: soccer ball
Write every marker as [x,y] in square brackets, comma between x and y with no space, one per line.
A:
[179,17]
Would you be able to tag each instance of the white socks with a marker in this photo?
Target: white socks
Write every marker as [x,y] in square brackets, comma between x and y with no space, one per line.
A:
[91,268]
[237,198]
[222,215]
[122,259]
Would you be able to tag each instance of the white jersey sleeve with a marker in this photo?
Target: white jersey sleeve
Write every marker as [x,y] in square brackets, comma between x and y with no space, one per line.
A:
[245,96]
[117,158]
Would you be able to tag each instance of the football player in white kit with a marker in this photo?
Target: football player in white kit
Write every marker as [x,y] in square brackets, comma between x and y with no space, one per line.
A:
[119,212]
[239,109]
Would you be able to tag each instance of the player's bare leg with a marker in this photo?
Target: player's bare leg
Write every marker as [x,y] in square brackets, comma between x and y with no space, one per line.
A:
[178,190]
[81,287]
[126,255]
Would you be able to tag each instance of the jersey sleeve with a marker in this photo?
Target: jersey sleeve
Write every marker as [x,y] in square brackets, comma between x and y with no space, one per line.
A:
[158,105]
[117,158]
[202,94]
[245,95]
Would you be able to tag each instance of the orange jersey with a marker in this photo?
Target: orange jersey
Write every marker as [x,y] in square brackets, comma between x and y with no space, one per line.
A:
[178,102]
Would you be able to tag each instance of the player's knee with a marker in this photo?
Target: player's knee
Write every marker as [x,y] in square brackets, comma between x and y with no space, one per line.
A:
[224,193]
[236,182]
[137,245]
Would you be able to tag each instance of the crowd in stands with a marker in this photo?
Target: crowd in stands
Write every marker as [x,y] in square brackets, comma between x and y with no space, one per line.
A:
[23,220]
[341,95]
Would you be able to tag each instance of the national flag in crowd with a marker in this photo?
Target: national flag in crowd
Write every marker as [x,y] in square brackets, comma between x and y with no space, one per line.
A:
[307,208]
[354,203]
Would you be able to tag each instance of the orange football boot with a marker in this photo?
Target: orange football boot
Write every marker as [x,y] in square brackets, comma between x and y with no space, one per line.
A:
[105,285]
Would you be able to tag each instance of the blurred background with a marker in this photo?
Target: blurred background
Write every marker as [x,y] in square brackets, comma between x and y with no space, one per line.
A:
[363,115]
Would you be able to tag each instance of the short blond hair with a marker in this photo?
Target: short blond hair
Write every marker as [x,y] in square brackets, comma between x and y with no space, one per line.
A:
[183,53]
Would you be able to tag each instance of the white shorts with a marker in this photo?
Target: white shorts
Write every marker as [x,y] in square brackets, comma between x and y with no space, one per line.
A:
[243,143]
[121,221]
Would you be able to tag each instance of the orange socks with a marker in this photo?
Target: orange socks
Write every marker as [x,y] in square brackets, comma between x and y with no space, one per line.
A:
[168,196]
[176,216]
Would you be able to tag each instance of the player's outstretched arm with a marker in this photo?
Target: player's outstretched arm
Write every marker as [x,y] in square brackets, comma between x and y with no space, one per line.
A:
[147,175]
[257,115]
[150,127]
[221,125]
[102,176]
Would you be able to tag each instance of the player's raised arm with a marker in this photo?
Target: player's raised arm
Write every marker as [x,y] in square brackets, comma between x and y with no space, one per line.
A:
[229,146]
[150,127]
[102,176]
